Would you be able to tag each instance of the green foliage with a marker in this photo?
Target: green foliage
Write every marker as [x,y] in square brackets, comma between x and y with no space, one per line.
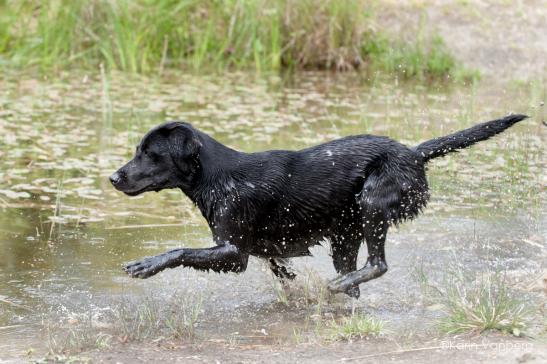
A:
[144,36]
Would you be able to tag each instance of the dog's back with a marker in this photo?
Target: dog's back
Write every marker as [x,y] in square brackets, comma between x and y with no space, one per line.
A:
[281,202]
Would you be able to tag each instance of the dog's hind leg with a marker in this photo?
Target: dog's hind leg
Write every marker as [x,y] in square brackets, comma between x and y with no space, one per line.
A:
[280,268]
[376,265]
[380,197]
[344,257]
[221,258]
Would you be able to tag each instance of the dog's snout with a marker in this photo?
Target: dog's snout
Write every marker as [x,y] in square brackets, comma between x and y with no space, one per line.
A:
[115,178]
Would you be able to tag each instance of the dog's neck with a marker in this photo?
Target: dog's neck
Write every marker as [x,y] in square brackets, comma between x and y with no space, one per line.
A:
[218,165]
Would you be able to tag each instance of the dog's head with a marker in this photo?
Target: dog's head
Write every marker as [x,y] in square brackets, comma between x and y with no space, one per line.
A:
[166,157]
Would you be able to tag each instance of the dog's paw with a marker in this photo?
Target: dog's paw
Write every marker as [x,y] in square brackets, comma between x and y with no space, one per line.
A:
[144,268]
[285,274]
[341,286]
[353,292]
[344,284]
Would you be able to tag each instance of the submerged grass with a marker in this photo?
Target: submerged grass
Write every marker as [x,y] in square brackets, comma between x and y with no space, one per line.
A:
[148,36]
[55,228]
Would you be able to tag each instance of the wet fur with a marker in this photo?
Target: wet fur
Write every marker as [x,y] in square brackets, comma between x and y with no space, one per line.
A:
[276,204]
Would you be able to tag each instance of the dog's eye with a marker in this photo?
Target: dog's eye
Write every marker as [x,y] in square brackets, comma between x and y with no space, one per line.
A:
[149,154]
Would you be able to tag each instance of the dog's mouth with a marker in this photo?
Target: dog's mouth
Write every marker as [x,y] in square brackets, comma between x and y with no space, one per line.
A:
[151,187]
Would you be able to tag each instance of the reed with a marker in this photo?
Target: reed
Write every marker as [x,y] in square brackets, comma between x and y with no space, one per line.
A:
[145,36]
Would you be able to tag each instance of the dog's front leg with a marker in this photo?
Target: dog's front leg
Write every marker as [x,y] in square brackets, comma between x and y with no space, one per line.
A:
[221,258]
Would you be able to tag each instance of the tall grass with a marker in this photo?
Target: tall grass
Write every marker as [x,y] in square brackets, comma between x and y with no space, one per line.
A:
[150,35]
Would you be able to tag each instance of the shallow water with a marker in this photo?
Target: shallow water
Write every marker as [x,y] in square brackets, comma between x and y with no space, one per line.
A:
[65,232]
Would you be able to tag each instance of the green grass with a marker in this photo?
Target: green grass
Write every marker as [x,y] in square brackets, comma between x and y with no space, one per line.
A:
[485,304]
[145,36]
[475,303]
[127,320]
[415,60]
[151,319]
[355,326]
[307,290]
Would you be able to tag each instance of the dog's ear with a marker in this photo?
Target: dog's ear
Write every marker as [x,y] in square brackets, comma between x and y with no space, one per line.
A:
[184,144]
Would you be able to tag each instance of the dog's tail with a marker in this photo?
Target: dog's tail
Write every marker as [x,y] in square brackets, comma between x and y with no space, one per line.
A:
[465,138]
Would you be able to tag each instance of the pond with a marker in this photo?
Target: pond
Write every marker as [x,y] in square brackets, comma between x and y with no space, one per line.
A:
[65,232]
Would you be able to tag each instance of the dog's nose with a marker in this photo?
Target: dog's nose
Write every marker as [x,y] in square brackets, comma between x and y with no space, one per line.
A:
[115,178]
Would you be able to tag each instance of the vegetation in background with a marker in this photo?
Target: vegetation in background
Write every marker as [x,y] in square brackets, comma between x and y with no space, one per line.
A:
[147,36]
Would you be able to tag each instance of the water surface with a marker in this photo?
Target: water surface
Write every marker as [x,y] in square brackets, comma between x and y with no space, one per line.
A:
[65,232]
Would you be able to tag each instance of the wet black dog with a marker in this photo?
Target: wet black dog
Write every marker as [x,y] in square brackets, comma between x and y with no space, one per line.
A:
[276,204]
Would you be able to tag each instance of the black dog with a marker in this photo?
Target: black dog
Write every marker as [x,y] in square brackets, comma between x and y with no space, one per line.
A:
[276,204]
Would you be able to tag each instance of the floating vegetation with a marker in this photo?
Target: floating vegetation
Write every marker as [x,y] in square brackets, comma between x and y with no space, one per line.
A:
[55,133]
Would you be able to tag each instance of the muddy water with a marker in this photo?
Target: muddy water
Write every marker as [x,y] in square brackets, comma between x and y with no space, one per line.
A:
[65,232]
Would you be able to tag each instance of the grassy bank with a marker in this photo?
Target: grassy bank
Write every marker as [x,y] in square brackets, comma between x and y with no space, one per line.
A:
[145,36]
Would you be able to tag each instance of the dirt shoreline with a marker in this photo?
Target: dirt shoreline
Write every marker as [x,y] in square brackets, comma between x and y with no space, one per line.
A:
[504,40]
[490,348]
